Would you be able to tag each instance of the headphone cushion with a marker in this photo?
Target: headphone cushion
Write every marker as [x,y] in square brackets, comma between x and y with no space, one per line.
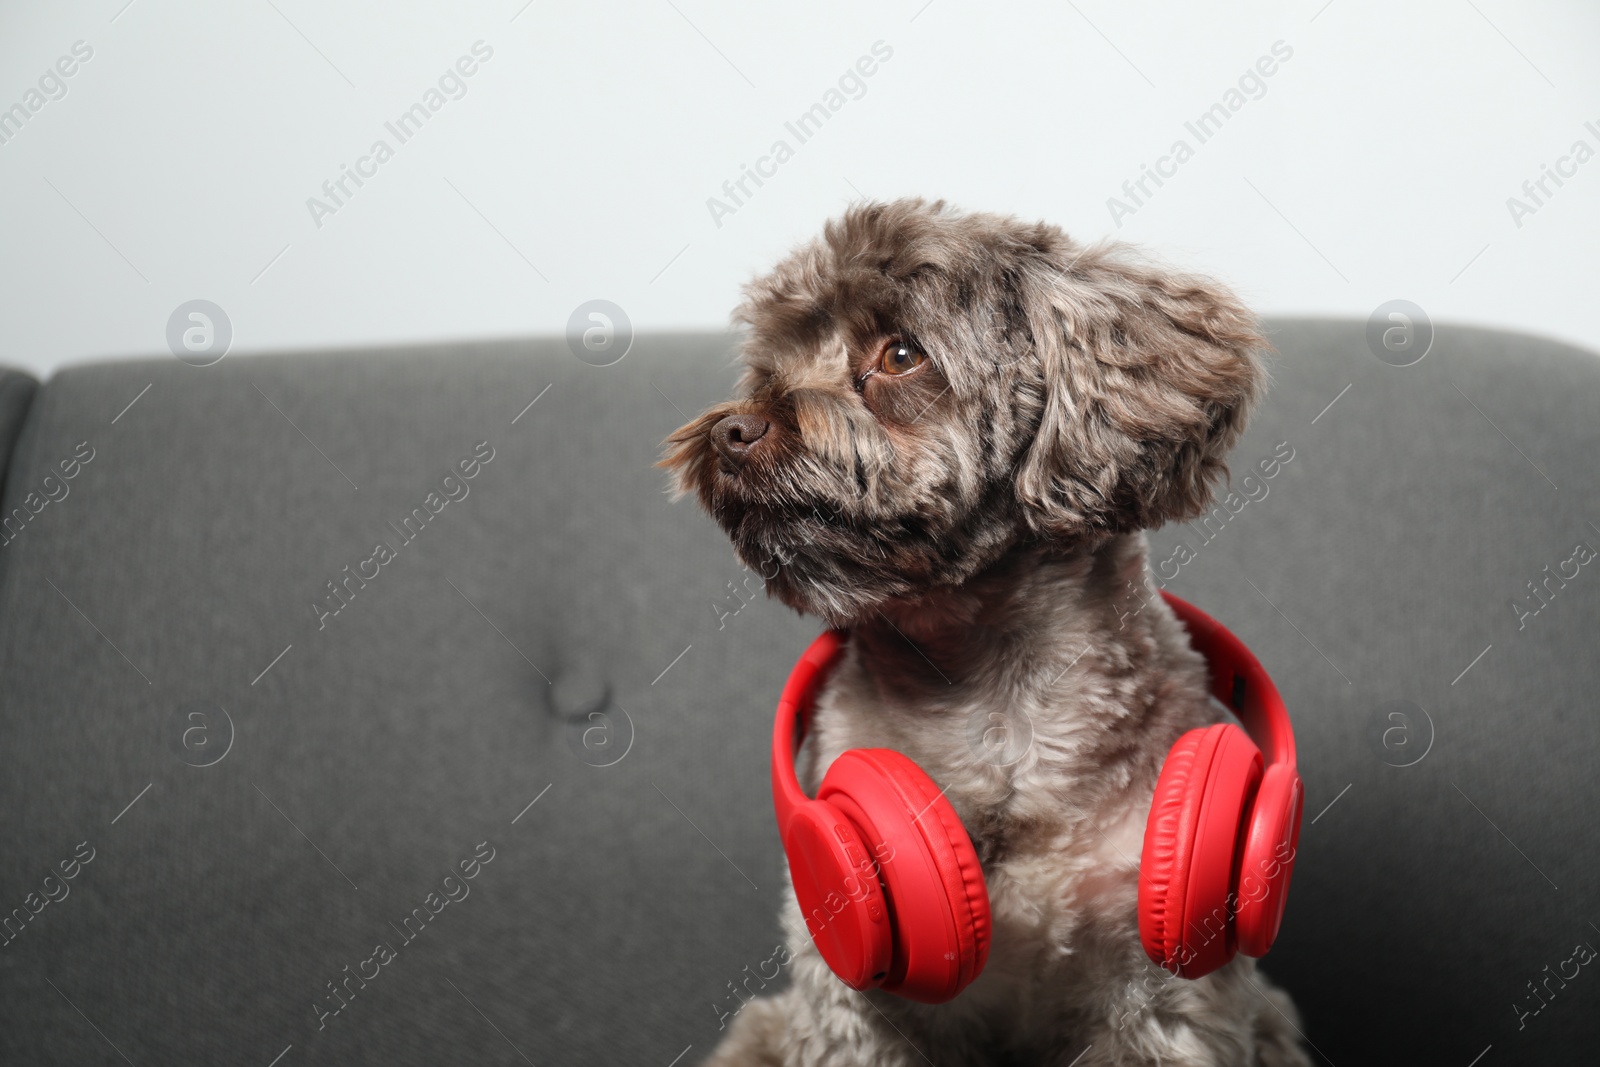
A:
[1163,865]
[939,948]
[959,868]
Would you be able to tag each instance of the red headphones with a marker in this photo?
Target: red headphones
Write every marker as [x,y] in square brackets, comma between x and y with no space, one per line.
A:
[891,888]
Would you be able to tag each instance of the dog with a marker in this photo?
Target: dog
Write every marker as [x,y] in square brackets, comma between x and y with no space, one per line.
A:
[950,433]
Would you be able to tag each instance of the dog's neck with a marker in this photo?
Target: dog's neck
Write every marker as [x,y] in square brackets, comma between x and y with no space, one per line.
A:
[1019,623]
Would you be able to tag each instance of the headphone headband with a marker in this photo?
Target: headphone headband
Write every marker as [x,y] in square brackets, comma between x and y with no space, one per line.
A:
[1237,680]
[794,713]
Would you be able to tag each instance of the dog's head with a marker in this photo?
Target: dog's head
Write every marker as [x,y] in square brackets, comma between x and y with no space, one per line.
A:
[925,389]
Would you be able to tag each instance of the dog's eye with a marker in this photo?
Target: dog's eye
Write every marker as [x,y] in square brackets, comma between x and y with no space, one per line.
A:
[900,357]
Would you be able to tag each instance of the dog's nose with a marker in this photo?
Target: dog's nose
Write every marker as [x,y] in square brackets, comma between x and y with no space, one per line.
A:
[733,436]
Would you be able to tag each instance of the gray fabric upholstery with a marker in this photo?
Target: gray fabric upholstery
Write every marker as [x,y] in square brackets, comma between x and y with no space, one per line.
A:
[372,755]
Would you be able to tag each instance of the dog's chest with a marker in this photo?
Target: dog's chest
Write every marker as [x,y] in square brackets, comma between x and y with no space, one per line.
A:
[1057,831]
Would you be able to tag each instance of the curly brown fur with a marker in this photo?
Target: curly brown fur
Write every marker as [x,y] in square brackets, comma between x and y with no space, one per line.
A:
[975,521]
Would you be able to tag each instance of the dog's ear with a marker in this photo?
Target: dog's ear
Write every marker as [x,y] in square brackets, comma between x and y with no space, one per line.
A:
[1145,381]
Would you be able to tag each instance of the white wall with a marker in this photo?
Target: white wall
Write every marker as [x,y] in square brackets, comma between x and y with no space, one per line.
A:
[1377,164]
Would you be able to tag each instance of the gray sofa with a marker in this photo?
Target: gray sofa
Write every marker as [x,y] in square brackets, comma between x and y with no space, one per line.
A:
[527,752]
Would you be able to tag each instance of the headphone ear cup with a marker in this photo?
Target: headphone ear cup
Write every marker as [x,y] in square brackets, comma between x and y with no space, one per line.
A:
[1268,857]
[1187,870]
[938,902]
[841,899]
